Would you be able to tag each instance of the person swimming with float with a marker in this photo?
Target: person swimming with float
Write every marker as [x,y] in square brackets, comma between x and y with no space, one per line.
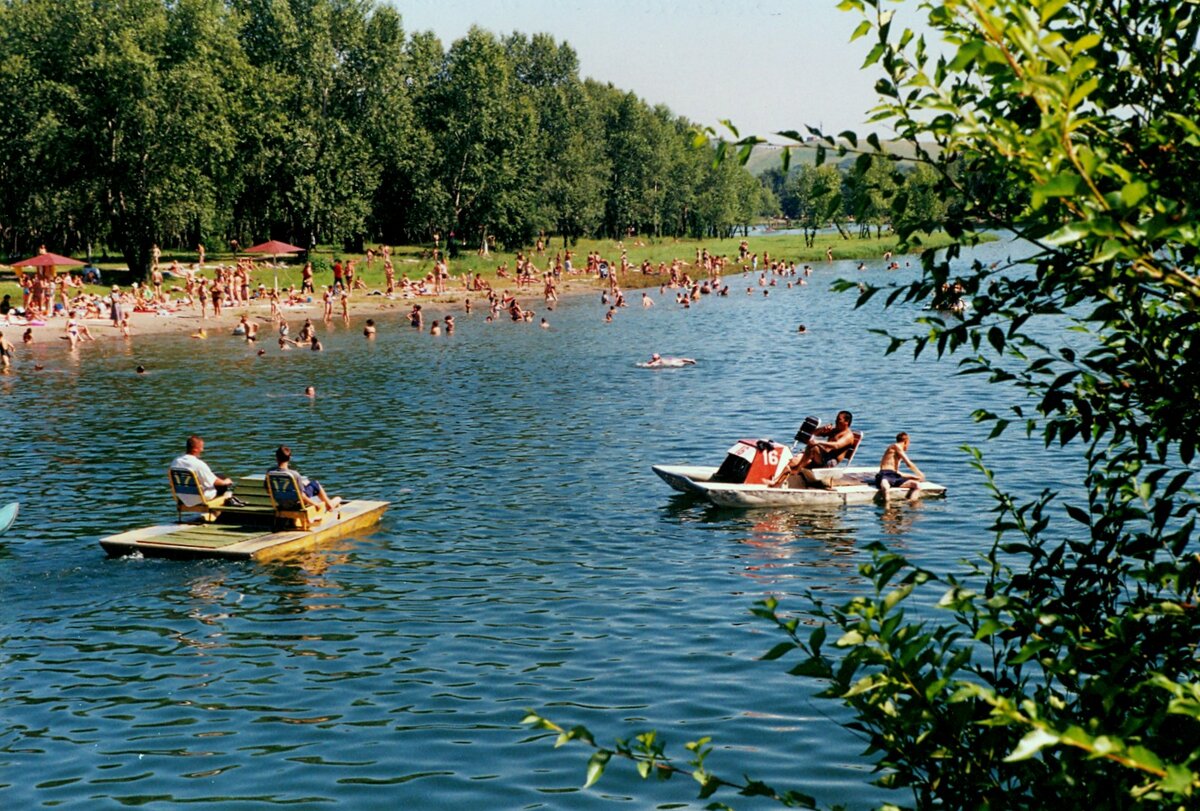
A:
[658,361]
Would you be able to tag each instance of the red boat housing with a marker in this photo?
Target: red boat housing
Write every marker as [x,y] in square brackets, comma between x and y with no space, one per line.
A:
[753,461]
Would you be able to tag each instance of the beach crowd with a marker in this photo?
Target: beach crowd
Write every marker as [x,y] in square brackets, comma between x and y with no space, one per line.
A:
[203,299]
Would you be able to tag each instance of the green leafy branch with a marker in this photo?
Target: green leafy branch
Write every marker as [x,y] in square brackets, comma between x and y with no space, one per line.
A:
[647,752]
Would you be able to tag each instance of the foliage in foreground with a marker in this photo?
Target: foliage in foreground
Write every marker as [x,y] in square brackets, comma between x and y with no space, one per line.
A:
[1062,668]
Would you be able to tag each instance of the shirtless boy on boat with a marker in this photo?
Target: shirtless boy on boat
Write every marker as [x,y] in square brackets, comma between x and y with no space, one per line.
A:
[889,474]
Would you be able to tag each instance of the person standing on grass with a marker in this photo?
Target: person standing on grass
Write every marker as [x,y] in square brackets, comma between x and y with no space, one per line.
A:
[338,281]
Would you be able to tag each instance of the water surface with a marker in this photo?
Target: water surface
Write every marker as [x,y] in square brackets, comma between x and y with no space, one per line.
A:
[530,558]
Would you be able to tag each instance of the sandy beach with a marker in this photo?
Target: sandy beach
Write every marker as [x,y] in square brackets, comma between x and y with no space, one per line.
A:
[187,320]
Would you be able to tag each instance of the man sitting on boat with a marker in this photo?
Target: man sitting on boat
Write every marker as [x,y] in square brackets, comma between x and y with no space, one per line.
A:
[310,490]
[889,474]
[211,484]
[829,446]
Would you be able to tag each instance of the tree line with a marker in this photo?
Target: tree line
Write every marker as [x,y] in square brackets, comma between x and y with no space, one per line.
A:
[180,122]
[873,192]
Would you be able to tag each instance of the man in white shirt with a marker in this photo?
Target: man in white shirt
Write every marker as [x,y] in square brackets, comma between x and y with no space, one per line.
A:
[211,484]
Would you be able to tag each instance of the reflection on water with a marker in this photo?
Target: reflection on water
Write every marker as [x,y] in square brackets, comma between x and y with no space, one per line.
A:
[530,558]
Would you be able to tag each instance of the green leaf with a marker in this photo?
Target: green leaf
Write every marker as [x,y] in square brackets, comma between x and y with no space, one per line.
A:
[1079,515]
[779,650]
[817,638]
[1033,742]
[989,627]
[596,767]
[1134,193]
[849,639]
[1179,780]
[708,784]
[1085,42]
[811,668]
[1069,234]
[1145,758]
[895,596]
[1066,184]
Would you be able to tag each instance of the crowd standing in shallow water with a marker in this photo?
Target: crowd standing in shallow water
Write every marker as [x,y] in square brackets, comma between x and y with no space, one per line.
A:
[185,292]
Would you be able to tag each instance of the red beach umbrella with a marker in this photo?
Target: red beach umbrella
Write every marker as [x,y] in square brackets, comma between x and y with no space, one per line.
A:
[274,247]
[46,260]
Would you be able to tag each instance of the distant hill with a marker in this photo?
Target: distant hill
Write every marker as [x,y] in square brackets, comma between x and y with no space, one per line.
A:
[769,156]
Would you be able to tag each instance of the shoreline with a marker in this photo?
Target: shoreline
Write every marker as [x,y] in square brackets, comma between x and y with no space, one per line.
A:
[366,304]
[188,320]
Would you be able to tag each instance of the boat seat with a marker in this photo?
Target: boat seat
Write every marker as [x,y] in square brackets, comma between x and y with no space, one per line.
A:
[289,503]
[185,484]
[858,436]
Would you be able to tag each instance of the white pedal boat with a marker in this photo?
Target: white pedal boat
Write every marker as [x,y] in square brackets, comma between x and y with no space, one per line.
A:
[751,464]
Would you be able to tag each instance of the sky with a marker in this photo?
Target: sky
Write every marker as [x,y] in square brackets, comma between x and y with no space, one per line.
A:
[765,66]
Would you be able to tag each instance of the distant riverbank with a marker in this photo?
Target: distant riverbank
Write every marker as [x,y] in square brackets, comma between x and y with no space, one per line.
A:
[416,262]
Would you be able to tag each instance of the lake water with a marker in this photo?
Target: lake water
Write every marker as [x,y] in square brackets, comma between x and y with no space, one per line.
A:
[530,558]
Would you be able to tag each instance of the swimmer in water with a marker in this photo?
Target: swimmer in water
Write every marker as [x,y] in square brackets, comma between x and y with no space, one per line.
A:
[310,392]
[657,360]
[6,353]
